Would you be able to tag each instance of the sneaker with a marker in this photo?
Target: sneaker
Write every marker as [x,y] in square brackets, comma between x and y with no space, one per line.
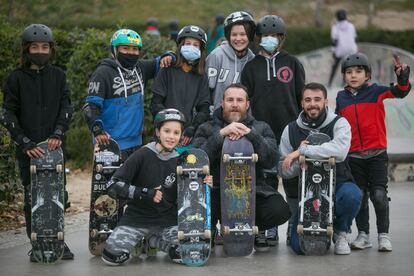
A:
[31,257]
[150,246]
[341,245]
[138,249]
[260,242]
[272,236]
[384,242]
[218,239]
[362,241]
[67,254]
[175,255]
[336,236]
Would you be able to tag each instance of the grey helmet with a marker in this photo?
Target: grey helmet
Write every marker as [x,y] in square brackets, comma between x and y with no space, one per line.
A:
[358,59]
[236,18]
[340,15]
[37,33]
[271,24]
[192,31]
[169,114]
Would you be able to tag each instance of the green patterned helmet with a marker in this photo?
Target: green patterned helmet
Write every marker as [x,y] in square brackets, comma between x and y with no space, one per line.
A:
[126,37]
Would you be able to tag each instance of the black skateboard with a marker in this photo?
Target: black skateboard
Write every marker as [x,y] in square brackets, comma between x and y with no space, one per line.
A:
[48,207]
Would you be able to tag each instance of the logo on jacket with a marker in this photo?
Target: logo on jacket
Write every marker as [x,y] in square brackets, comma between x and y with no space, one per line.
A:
[169,180]
[285,74]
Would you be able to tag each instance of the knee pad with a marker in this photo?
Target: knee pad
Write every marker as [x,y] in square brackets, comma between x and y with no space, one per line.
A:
[114,258]
[379,198]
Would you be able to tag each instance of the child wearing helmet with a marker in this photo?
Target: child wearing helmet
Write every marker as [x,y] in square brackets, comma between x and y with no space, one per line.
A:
[225,63]
[152,210]
[361,103]
[185,85]
[29,90]
[275,80]
[115,102]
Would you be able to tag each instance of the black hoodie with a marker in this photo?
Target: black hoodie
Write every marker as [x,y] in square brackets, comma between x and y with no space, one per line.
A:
[275,89]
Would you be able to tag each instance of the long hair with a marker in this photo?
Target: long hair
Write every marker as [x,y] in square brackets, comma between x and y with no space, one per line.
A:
[198,67]
[24,61]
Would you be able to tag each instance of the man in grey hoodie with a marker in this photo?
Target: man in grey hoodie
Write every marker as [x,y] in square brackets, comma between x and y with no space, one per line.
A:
[225,64]
[316,117]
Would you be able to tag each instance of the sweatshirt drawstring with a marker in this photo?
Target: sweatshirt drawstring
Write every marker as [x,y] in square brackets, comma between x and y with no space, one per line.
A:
[274,67]
[268,69]
[235,65]
[123,81]
[140,82]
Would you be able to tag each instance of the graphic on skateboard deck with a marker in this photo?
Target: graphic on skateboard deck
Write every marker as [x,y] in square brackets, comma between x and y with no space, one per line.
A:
[194,226]
[238,196]
[103,209]
[47,195]
[316,205]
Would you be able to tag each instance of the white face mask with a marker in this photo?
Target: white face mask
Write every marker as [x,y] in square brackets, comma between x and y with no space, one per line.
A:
[269,43]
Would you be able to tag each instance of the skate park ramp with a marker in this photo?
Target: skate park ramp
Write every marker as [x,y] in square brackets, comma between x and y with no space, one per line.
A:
[399,113]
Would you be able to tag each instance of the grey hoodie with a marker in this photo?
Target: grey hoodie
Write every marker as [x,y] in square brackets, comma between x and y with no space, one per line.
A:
[338,147]
[224,68]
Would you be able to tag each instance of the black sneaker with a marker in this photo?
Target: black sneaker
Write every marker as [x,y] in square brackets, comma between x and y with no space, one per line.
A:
[175,255]
[31,257]
[272,236]
[260,242]
[67,255]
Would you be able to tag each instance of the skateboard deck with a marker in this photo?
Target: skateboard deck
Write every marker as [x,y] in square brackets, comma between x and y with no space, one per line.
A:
[47,190]
[194,226]
[316,205]
[104,213]
[238,197]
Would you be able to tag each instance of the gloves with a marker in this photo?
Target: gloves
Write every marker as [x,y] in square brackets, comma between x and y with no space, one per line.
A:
[26,144]
[97,129]
[120,189]
[58,134]
[404,75]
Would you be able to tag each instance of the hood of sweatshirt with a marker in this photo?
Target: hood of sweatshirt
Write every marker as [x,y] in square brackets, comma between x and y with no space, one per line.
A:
[330,116]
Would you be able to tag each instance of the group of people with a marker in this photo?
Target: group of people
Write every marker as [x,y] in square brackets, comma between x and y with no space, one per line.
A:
[197,101]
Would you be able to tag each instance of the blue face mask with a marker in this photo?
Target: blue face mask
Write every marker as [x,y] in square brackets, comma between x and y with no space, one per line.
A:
[190,53]
[269,43]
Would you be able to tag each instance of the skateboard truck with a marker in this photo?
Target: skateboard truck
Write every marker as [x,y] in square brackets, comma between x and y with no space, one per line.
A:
[206,234]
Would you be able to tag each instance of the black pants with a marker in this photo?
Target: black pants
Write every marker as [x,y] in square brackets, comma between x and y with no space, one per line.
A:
[335,64]
[371,175]
[271,211]
[27,207]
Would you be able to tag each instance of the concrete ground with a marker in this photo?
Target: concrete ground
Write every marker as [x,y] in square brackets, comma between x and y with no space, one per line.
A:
[279,261]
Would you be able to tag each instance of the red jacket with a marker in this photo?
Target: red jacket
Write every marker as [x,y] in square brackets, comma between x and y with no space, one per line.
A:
[366,115]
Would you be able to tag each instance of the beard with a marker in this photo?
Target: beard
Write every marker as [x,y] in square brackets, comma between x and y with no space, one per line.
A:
[234,115]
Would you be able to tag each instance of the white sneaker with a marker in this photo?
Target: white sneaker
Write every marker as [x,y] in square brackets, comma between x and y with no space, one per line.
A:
[341,245]
[384,242]
[362,241]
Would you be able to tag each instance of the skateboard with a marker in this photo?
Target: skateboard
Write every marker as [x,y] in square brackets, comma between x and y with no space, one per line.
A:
[238,197]
[316,205]
[47,190]
[104,210]
[194,225]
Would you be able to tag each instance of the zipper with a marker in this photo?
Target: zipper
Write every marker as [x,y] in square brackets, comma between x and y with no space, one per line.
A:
[357,122]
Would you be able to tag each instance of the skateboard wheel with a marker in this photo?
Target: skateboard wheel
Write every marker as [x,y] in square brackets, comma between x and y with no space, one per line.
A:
[60,236]
[59,168]
[255,157]
[300,229]
[33,236]
[180,235]
[226,230]
[32,169]
[179,170]
[206,169]
[302,159]
[207,234]
[99,168]
[94,233]
[226,158]
[329,231]
[255,230]
[332,161]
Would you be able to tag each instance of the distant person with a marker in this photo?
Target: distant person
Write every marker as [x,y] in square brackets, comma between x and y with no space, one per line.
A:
[343,38]
[173,28]
[216,35]
[152,28]
[362,104]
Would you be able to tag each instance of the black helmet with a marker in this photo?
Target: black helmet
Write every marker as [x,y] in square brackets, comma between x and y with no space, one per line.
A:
[237,18]
[192,31]
[173,25]
[219,19]
[358,59]
[169,114]
[37,33]
[152,22]
[340,14]
[271,24]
